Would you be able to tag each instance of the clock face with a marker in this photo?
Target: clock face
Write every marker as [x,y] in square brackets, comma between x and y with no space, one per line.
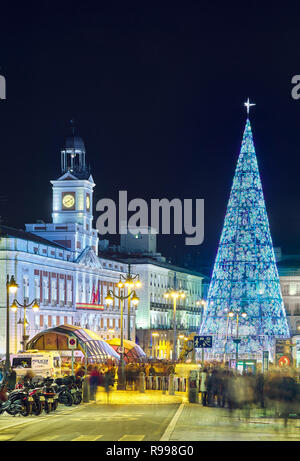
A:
[68,201]
[88,203]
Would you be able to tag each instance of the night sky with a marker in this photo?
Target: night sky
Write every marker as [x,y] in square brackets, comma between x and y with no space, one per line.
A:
[157,92]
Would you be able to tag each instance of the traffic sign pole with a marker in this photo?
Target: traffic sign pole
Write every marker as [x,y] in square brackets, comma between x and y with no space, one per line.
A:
[72,362]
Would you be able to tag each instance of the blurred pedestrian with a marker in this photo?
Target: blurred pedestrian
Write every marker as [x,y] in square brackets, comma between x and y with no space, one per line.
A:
[107,384]
[94,382]
[152,370]
[11,379]
[79,371]
[259,390]
[203,386]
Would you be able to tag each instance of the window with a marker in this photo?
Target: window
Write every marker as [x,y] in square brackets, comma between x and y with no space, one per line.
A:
[54,290]
[26,286]
[69,292]
[45,290]
[285,289]
[62,291]
[37,287]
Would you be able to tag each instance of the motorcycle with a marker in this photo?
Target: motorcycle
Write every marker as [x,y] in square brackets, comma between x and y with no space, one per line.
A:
[74,386]
[6,404]
[50,395]
[78,387]
[62,390]
[35,398]
[18,402]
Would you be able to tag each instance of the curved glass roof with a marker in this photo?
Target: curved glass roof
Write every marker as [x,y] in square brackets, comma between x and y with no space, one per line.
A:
[97,349]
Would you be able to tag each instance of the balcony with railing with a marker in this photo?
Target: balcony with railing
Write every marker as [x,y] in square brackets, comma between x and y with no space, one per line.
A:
[168,307]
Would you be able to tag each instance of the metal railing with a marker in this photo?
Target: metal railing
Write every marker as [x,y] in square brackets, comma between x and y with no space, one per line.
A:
[160,383]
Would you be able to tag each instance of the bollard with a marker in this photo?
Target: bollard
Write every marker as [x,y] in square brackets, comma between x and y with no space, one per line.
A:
[193,392]
[85,391]
[156,383]
[163,384]
[171,385]
[142,382]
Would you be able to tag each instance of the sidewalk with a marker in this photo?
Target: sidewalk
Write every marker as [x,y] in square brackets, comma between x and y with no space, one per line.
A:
[193,422]
[138,398]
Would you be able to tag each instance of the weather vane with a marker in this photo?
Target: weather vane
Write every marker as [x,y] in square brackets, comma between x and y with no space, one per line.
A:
[248,105]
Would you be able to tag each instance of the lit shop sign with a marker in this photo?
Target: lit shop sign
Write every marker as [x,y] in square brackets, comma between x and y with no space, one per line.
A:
[94,307]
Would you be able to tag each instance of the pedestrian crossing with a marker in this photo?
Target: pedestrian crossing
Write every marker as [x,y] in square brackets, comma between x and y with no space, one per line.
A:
[73,437]
[131,438]
[87,438]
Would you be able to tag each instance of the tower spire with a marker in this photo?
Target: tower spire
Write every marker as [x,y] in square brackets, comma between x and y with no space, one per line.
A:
[72,126]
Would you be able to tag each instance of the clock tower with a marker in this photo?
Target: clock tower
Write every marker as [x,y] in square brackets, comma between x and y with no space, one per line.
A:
[72,201]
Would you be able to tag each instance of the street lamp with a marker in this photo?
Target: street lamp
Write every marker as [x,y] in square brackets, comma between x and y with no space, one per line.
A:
[175,294]
[131,282]
[201,302]
[226,334]
[122,297]
[237,340]
[154,335]
[14,307]
[11,287]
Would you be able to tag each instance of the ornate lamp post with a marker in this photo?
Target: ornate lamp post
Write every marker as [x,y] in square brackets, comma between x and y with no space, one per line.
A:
[154,336]
[122,297]
[201,302]
[174,294]
[11,287]
[237,340]
[14,307]
[131,282]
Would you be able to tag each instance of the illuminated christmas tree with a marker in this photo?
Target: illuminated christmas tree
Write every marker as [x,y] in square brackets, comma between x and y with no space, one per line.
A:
[245,278]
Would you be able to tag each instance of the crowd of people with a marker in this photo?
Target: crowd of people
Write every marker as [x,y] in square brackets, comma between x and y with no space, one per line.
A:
[278,390]
[105,375]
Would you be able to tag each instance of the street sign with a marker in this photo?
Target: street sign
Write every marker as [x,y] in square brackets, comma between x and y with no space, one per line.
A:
[265,360]
[202,342]
[284,361]
[72,343]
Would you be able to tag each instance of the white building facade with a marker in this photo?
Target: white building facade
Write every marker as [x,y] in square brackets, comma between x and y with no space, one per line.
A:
[58,264]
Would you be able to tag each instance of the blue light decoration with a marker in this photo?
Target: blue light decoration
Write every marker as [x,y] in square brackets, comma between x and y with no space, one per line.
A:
[245,277]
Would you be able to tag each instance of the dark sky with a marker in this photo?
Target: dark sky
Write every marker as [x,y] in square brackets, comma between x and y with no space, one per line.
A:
[157,92]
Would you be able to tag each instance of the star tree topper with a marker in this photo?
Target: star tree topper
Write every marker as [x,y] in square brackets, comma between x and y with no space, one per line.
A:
[248,105]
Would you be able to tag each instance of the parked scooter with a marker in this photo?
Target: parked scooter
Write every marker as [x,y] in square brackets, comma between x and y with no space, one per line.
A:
[63,392]
[36,398]
[50,394]
[78,387]
[18,402]
[74,386]
[11,406]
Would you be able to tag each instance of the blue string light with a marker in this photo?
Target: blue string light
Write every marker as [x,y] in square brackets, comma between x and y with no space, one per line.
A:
[245,276]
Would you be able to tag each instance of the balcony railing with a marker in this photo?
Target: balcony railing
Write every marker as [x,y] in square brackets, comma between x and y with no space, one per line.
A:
[163,306]
[178,327]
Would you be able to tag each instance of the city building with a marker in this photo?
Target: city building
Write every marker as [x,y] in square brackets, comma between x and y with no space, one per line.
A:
[58,263]
[289,273]
[154,314]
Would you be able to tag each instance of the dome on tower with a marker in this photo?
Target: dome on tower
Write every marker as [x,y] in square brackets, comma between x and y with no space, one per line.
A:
[73,155]
[74,142]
